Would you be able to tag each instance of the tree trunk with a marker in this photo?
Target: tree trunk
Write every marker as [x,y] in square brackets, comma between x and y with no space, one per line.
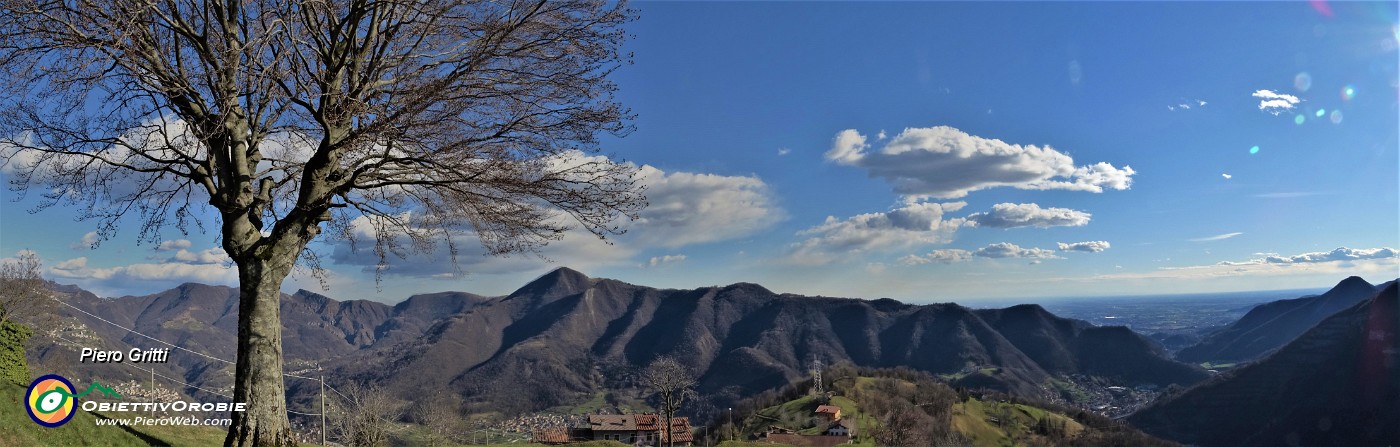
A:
[258,381]
[670,435]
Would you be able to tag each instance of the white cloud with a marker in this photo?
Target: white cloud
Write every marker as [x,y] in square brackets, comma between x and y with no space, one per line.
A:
[177,244]
[1200,103]
[683,209]
[1275,103]
[1227,176]
[1086,246]
[687,208]
[141,277]
[916,223]
[945,256]
[12,260]
[52,172]
[211,256]
[1010,215]
[784,151]
[88,241]
[1000,250]
[72,265]
[1217,237]
[1009,250]
[944,162]
[576,249]
[656,261]
[1338,255]
[1342,261]
[847,148]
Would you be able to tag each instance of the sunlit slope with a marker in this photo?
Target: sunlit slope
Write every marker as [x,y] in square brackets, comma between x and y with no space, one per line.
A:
[17,430]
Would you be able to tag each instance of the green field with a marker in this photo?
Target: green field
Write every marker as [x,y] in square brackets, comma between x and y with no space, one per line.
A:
[17,430]
[987,423]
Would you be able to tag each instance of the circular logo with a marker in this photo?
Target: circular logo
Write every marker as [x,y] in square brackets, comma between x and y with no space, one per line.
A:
[50,401]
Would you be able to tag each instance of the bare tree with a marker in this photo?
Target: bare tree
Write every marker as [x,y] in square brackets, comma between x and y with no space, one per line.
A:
[441,418]
[23,294]
[903,425]
[364,416]
[672,383]
[22,300]
[415,118]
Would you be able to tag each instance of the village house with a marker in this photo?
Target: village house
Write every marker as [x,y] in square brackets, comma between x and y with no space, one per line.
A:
[552,436]
[829,413]
[631,429]
[838,431]
[840,427]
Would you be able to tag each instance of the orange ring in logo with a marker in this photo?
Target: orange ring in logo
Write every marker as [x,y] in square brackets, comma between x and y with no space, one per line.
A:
[49,400]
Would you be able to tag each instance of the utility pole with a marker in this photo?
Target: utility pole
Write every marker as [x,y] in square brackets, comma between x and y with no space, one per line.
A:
[730,410]
[323,404]
[817,376]
[153,390]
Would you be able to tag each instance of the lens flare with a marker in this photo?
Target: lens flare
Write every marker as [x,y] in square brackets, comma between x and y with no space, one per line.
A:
[1348,92]
[1321,113]
[1302,82]
[1254,150]
[1299,119]
[1336,117]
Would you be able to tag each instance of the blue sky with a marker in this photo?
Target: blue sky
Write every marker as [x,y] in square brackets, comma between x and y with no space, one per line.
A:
[945,152]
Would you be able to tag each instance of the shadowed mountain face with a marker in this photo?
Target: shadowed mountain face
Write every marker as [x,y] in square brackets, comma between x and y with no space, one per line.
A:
[1337,384]
[551,341]
[204,319]
[1271,325]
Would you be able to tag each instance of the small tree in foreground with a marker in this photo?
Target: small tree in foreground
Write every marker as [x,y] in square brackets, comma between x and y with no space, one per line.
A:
[23,301]
[364,416]
[24,297]
[403,120]
[672,383]
[441,418]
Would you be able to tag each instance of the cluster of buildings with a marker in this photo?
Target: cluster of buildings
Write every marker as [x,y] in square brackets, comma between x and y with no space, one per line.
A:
[649,429]
[645,429]
[838,431]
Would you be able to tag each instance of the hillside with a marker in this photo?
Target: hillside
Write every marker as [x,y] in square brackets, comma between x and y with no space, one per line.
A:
[904,407]
[1271,325]
[204,318]
[16,430]
[1337,384]
[566,338]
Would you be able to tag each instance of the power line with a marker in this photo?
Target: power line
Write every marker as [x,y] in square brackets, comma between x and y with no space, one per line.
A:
[104,320]
[172,379]
[201,354]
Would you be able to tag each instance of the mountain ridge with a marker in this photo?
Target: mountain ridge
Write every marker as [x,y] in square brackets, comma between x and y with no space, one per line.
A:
[1270,325]
[1336,384]
[565,336]
[564,328]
